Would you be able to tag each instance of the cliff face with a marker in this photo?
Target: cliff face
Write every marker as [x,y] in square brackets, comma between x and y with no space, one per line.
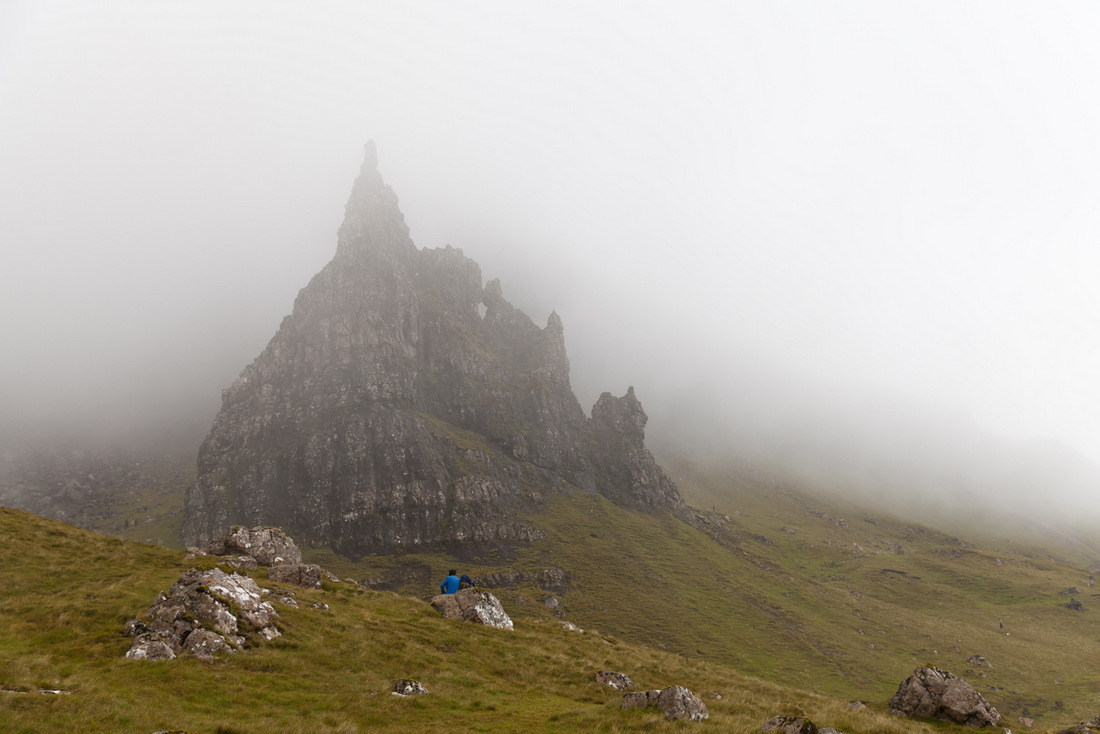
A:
[388,412]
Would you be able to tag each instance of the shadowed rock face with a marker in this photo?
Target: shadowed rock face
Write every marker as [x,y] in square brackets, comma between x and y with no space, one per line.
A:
[389,412]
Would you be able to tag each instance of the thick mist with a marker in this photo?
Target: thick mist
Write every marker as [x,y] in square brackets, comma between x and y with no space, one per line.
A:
[858,238]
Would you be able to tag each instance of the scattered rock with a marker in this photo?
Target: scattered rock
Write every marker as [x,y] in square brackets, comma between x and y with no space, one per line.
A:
[979,660]
[302,574]
[618,681]
[319,605]
[473,605]
[857,705]
[406,687]
[933,693]
[1026,721]
[675,702]
[789,725]
[1092,726]
[1071,591]
[571,627]
[551,602]
[1075,605]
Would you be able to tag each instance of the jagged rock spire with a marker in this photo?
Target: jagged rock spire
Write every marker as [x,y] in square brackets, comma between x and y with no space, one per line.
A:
[388,413]
[373,222]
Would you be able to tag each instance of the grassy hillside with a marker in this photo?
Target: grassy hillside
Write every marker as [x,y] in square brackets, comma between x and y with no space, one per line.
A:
[831,599]
[71,591]
[809,592]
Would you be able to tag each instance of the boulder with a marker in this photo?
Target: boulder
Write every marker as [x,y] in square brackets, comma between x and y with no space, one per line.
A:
[301,574]
[979,660]
[269,546]
[618,681]
[640,699]
[789,725]
[933,693]
[473,605]
[147,647]
[677,702]
[1075,605]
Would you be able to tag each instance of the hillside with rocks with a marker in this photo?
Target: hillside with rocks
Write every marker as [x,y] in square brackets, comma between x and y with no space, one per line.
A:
[404,404]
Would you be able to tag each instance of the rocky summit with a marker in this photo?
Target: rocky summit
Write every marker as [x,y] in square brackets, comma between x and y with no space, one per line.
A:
[405,404]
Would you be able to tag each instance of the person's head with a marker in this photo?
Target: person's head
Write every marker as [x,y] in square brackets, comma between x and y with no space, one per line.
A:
[453,572]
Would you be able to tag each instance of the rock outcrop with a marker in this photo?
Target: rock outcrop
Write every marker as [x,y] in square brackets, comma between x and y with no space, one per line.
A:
[204,612]
[405,405]
[933,693]
[473,605]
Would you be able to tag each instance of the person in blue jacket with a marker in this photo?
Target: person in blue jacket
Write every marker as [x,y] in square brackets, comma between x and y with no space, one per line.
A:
[450,584]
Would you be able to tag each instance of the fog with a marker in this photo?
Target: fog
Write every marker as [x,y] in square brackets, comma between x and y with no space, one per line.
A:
[840,233]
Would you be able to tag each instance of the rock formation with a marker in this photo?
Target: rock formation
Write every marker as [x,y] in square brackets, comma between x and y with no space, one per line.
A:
[933,693]
[390,411]
[472,605]
[205,611]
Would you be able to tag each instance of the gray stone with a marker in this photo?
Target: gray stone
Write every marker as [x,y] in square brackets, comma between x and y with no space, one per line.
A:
[269,546]
[302,574]
[147,647]
[203,644]
[933,693]
[473,605]
[677,702]
[406,687]
[618,681]
[789,725]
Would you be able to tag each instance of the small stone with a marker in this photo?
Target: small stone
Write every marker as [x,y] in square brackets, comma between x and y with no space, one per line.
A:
[405,687]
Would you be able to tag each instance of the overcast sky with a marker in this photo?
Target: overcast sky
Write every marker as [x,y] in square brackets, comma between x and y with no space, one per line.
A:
[894,197]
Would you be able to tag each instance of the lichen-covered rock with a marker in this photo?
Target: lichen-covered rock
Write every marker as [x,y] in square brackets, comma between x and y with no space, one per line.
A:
[933,693]
[269,546]
[147,647]
[618,681]
[204,612]
[473,605]
[301,574]
[789,725]
[203,644]
[389,412]
[677,702]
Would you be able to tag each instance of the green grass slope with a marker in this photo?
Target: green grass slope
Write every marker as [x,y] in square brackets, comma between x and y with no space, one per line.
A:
[68,593]
[809,592]
[829,601]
